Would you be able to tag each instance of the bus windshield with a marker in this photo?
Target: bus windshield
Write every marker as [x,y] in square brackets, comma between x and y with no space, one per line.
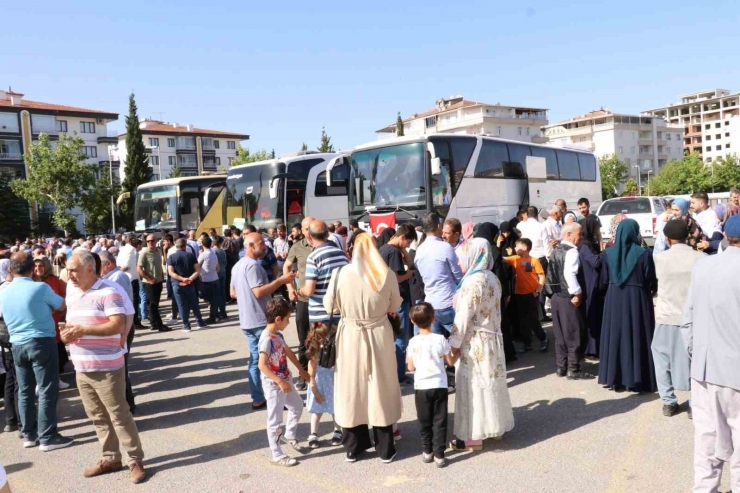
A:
[248,196]
[388,177]
[156,208]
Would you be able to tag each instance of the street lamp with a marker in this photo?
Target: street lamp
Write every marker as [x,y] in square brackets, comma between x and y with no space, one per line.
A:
[159,160]
[112,203]
[639,179]
[648,182]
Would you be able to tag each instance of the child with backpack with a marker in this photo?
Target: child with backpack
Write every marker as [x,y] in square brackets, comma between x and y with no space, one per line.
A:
[321,397]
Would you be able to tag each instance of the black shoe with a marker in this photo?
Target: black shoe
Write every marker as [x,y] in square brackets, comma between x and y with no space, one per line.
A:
[560,373]
[164,329]
[546,319]
[580,375]
[257,407]
[351,457]
[670,410]
[210,320]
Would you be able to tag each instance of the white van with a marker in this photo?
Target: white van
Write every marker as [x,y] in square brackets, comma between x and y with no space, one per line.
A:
[644,210]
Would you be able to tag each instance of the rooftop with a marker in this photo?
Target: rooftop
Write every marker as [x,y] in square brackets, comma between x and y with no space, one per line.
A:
[603,113]
[15,100]
[149,126]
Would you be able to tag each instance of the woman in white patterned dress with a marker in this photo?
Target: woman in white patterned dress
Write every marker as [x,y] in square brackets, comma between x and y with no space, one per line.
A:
[482,404]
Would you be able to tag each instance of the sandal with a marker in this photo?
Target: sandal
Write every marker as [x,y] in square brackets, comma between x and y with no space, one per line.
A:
[313,441]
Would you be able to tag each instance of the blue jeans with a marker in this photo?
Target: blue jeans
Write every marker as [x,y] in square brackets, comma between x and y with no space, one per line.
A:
[37,363]
[187,299]
[222,295]
[212,296]
[443,321]
[255,381]
[403,339]
[143,307]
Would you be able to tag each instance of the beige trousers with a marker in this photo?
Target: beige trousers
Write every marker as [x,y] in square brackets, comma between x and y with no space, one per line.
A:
[104,398]
[716,413]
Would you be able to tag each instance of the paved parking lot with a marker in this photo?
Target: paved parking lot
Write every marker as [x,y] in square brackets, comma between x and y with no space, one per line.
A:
[201,435]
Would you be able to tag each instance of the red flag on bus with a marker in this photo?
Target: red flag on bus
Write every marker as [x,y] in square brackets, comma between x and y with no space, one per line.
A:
[378,222]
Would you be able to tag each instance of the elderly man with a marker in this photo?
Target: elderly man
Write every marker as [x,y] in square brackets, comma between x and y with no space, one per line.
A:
[710,332]
[95,332]
[566,296]
[151,272]
[27,311]
[183,268]
[252,291]
[126,261]
[296,261]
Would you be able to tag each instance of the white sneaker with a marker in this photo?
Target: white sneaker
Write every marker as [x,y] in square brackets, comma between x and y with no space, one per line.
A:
[172,321]
[63,385]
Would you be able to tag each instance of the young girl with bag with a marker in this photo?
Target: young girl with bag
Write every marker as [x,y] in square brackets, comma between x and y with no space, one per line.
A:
[321,397]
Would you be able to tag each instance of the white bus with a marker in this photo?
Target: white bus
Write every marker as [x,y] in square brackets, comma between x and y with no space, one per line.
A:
[472,178]
[284,191]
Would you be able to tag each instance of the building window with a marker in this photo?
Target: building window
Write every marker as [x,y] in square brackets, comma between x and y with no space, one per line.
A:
[230,144]
[519,130]
[9,122]
[727,122]
[170,142]
[428,122]
[87,127]
[727,146]
[709,148]
[719,148]
[667,136]
[154,160]
[231,160]
[172,160]
[218,161]
[709,160]
[718,136]
[707,126]
[155,177]
[717,125]
[62,125]
[216,145]
[90,151]
[708,137]
[153,142]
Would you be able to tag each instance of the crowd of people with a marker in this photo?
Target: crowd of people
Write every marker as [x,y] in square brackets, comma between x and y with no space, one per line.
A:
[443,307]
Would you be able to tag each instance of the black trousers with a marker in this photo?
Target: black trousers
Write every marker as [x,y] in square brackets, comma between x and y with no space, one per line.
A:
[129,389]
[528,318]
[153,294]
[543,298]
[570,333]
[137,301]
[357,440]
[229,266]
[431,409]
[12,416]
[507,330]
[302,326]
[63,356]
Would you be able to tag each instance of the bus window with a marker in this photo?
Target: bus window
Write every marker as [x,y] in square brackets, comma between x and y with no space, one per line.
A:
[568,165]
[491,160]
[213,194]
[190,206]
[514,168]
[441,183]
[551,161]
[462,151]
[587,163]
[339,181]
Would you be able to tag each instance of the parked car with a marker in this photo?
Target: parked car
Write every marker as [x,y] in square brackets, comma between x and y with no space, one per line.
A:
[644,210]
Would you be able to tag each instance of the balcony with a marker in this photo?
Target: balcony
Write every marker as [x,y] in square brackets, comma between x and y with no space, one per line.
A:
[110,138]
[10,156]
[45,129]
[187,163]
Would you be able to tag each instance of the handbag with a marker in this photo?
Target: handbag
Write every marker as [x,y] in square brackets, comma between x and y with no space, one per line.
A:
[327,356]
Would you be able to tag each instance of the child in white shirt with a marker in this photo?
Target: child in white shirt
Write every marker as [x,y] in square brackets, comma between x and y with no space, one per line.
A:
[427,353]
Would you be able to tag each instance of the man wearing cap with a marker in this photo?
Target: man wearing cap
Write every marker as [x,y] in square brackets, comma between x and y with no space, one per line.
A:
[710,331]
[673,268]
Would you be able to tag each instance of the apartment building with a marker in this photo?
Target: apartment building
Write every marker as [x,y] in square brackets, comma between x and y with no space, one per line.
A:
[460,116]
[645,143]
[194,150]
[710,119]
[22,120]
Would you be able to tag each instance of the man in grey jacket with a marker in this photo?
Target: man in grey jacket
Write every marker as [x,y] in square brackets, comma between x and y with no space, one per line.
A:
[712,336]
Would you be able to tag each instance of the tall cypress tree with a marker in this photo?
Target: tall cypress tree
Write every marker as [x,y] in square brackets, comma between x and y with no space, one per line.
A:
[326,145]
[399,126]
[137,166]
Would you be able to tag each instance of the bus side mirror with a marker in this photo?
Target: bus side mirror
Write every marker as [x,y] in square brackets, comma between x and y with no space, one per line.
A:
[436,163]
[274,183]
[334,162]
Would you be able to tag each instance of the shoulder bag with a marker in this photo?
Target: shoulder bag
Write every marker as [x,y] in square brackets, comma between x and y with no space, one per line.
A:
[327,356]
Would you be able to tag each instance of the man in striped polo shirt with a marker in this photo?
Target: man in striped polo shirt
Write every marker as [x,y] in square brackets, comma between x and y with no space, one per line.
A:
[95,332]
[320,264]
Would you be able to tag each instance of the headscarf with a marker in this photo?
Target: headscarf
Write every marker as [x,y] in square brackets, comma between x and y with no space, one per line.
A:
[569,214]
[626,252]
[487,231]
[475,256]
[368,263]
[720,211]
[590,227]
[467,230]
[385,236]
[614,224]
[682,204]
[47,265]
[509,241]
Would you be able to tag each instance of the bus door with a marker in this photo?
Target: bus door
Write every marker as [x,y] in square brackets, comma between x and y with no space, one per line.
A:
[328,201]
[212,196]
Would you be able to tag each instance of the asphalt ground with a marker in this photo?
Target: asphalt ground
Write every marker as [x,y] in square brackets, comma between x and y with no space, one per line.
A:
[200,434]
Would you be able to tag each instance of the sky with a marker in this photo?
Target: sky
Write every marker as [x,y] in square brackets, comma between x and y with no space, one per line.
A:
[279,71]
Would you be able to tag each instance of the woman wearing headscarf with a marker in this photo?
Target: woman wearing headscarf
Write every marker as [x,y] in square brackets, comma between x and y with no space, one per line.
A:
[614,224]
[506,241]
[679,211]
[366,391]
[569,217]
[591,279]
[43,272]
[482,403]
[629,319]
[505,275]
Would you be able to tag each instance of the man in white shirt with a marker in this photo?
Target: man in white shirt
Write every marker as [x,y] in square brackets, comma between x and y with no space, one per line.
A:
[707,220]
[566,296]
[552,228]
[534,231]
[126,261]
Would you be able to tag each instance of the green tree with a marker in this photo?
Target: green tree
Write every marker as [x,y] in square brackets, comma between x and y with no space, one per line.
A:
[137,163]
[15,218]
[684,176]
[399,126]
[56,176]
[326,145]
[726,173]
[175,172]
[243,156]
[613,173]
[304,147]
[96,202]
[630,188]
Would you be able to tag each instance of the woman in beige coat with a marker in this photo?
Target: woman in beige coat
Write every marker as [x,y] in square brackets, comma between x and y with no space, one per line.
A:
[366,389]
